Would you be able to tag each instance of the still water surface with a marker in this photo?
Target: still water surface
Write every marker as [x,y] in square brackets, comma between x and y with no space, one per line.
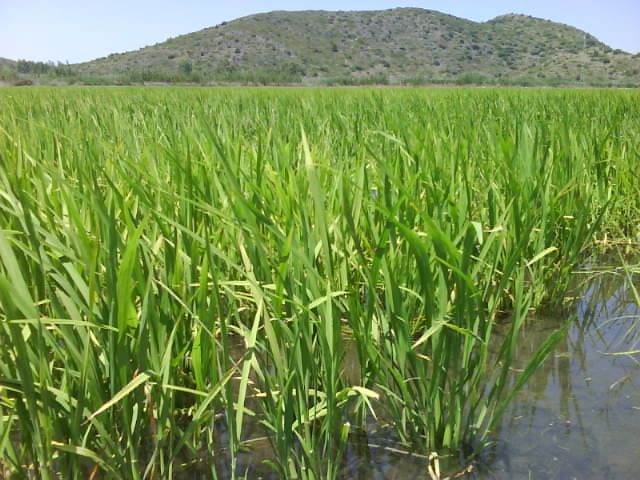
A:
[579,416]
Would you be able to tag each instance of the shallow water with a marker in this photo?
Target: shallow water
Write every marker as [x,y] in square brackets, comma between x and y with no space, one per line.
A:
[578,417]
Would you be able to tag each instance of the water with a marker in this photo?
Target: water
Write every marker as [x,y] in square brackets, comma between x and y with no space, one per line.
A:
[578,417]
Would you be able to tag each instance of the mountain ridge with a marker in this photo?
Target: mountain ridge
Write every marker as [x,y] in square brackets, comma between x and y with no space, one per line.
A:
[401,45]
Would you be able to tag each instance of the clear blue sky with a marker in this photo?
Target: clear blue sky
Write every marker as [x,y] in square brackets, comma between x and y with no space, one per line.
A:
[79,30]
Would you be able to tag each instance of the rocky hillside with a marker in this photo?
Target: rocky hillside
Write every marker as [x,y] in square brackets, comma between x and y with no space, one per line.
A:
[405,45]
[399,45]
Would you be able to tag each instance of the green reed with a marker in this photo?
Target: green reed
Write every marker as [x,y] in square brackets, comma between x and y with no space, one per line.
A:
[176,259]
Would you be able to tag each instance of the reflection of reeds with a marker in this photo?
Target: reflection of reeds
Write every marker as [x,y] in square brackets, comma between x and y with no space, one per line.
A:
[145,231]
[632,336]
[607,308]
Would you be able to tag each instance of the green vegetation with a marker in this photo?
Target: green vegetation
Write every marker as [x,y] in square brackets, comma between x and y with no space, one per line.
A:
[8,70]
[397,44]
[177,264]
[404,45]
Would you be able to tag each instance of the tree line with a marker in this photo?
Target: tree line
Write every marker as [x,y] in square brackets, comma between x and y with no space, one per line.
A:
[43,68]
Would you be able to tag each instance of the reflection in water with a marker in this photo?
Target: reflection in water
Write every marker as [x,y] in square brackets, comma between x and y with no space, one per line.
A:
[578,417]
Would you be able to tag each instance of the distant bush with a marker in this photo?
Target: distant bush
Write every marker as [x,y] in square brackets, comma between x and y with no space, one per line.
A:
[287,73]
[92,80]
[186,67]
[36,68]
[8,75]
[145,75]
[378,79]
[415,81]
[505,52]
[472,79]
[526,82]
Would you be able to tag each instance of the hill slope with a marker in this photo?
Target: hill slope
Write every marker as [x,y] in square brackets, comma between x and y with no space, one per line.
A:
[8,71]
[7,64]
[399,45]
[396,45]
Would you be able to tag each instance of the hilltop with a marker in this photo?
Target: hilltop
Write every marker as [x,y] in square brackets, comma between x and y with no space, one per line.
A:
[403,45]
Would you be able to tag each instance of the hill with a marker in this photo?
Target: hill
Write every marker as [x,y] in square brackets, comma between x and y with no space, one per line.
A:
[399,45]
[403,45]
[7,65]
[7,70]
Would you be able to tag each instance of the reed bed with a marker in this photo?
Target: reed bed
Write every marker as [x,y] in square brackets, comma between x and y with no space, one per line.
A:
[146,233]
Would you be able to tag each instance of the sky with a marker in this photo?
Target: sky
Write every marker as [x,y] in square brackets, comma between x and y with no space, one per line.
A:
[80,30]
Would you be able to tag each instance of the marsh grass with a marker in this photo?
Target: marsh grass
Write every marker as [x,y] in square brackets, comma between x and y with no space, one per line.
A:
[146,231]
